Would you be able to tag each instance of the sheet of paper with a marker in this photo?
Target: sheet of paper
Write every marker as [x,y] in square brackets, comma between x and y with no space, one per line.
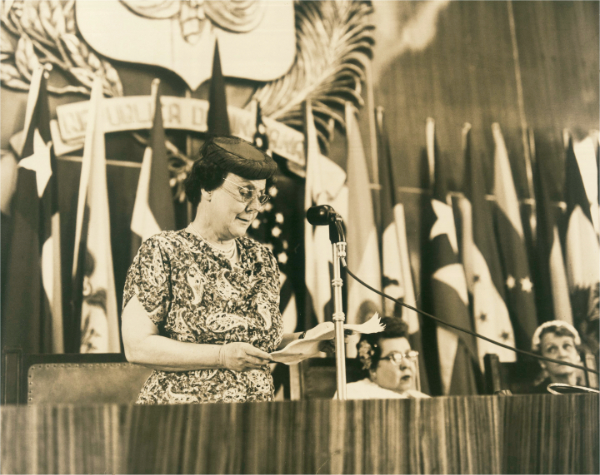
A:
[299,350]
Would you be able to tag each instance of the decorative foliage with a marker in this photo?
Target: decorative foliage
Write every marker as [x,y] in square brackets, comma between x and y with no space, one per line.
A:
[334,43]
[43,32]
[365,354]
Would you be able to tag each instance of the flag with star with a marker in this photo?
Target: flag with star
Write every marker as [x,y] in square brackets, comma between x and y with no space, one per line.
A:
[279,226]
[482,262]
[519,288]
[94,301]
[324,186]
[153,210]
[581,249]
[397,280]
[362,236]
[553,301]
[446,292]
[32,319]
[218,119]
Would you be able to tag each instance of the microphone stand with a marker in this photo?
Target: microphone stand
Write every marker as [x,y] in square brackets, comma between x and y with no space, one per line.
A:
[337,236]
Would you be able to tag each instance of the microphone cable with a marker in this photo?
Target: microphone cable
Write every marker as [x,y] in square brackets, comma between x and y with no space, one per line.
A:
[527,353]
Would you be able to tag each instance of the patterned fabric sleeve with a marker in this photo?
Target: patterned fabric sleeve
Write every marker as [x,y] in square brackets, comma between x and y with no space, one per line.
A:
[272,262]
[149,278]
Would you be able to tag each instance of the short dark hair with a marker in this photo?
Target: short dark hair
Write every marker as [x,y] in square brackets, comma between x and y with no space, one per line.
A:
[394,328]
[205,175]
[207,172]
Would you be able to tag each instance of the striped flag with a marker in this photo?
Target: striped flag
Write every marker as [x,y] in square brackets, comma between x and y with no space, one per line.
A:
[482,263]
[363,248]
[94,299]
[581,249]
[324,185]
[33,319]
[551,279]
[218,119]
[519,287]
[397,278]
[449,299]
[153,210]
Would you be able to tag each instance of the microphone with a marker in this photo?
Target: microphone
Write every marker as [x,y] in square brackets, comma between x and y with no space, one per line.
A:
[321,215]
[324,215]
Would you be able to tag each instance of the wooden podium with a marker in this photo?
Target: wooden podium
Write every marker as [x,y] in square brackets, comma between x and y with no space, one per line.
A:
[478,434]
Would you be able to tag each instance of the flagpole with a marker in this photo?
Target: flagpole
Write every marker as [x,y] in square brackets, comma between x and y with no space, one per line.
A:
[339,253]
[58,344]
[188,152]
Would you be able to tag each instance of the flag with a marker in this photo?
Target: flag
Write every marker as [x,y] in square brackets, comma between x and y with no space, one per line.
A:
[217,120]
[363,248]
[153,210]
[94,301]
[582,251]
[32,317]
[585,153]
[520,292]
[279,226]
[324,185]
[482,263]
[397,281]
[553,299]
[447,290]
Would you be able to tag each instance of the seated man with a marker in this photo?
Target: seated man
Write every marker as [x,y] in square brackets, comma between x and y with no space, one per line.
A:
[390,363]
[558,340]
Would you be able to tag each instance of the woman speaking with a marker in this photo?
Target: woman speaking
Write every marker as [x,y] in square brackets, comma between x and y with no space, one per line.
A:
[201,305]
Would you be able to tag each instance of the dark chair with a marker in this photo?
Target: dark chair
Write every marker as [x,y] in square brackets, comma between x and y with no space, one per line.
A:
[519,377]
[316,377]
[70,378]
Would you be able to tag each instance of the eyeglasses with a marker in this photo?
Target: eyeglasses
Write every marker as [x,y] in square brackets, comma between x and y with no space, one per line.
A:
[397,358]
[247,195]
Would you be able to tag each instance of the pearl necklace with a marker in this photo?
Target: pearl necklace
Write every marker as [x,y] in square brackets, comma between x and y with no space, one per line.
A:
[229,254]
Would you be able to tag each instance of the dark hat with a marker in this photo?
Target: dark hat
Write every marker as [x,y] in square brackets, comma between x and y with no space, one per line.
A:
[238,156]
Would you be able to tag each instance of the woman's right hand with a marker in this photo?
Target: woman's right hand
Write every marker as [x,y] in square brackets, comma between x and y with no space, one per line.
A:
[241,356]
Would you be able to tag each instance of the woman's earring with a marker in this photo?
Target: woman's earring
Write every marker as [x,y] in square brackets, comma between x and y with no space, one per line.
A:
[210,196]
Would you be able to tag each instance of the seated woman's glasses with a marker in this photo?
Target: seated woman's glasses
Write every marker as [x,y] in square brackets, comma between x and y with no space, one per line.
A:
[397,358]
[247,195]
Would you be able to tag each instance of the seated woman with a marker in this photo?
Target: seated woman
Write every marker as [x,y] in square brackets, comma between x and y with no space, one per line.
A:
[390,363]
[558,340]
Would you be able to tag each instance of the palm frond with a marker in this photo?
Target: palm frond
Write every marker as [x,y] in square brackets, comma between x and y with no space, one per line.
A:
[334,42]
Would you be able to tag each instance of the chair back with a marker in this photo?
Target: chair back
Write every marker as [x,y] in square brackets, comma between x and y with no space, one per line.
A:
[85,383]
[519,377]
[70,378]
[315,378]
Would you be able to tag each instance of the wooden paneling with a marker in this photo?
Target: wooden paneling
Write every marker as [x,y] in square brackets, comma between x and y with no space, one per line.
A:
[486,434]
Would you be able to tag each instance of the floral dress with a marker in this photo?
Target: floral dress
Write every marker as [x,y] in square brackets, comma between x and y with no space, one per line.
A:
[195,295]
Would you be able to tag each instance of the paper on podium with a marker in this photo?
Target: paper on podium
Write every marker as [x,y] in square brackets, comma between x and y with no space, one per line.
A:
[299,350]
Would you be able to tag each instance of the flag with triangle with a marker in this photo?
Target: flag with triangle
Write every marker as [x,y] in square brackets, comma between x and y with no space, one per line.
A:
[447,290]
[153,210]
[94,301]
[553,301]
[324,185]
[482,262]
[362,237]
[581,250]
[397,280]
[218,119]
[520,291]
[33,319]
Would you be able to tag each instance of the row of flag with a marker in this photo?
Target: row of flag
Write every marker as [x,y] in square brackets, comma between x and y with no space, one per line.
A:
[485,282]
[33,315]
